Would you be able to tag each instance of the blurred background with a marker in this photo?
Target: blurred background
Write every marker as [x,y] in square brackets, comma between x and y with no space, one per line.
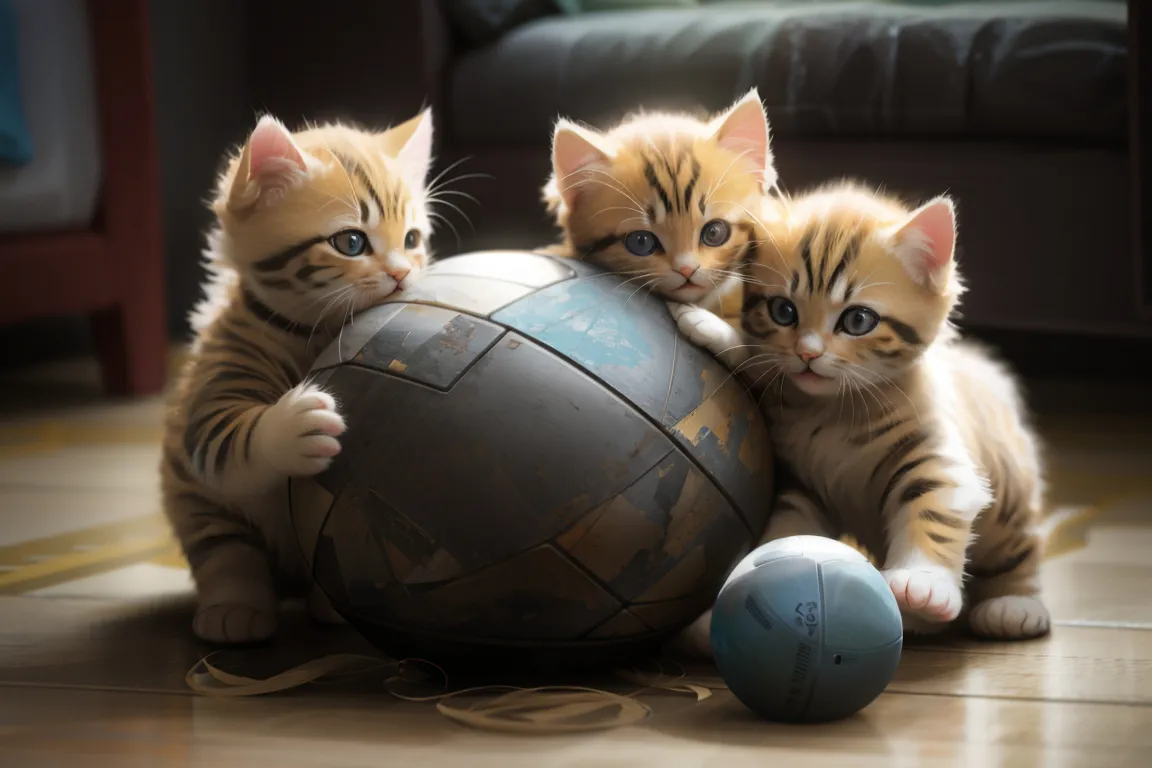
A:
[114,115]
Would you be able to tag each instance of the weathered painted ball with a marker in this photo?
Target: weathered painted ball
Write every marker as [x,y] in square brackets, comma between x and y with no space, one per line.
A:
[537,467]
[806,630]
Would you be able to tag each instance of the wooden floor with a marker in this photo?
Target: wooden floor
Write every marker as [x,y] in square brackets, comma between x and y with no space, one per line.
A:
[95,610]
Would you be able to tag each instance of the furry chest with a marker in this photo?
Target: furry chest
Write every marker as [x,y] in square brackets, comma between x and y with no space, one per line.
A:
[838,471]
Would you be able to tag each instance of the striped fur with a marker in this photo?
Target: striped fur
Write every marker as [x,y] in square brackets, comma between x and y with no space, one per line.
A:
[905,437]
[691,186]
[240,419]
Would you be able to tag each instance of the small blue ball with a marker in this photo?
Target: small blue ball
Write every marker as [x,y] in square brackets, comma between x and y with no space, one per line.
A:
[806,630]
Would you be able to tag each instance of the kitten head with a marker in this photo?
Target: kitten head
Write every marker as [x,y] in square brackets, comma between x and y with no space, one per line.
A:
[849,288]
[665,199]
[329,218]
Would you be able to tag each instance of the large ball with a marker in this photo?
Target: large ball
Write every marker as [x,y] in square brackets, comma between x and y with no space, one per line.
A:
[537,466]
[806,630]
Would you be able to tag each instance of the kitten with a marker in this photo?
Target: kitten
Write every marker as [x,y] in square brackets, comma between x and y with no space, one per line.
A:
[912,440]
[664,198]
[311,227]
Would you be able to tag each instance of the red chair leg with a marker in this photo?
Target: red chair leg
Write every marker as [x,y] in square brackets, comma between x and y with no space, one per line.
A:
[131,341]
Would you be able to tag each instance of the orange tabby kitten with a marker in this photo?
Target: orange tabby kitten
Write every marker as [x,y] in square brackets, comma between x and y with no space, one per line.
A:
[909,438]
[664,198]
[311,227]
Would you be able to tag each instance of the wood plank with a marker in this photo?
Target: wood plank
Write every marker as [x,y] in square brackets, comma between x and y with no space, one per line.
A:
[319,730]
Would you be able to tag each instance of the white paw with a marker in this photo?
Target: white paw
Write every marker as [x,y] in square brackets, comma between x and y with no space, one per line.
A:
[1011,617]
[235,623]
[704,329]
[695,640]
[929,594]
[298,434]
[321,610]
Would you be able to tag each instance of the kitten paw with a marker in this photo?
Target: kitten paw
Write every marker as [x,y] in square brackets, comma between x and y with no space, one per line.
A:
[695,640]
[704,329]
[298,434]
[235,623]
[1011,617]
[321,610]
[932,595]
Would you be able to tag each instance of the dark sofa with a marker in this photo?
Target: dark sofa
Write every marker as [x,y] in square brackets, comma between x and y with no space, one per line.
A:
[1021,110]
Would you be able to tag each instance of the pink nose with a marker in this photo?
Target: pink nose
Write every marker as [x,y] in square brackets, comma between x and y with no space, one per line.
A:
[809,356]
[398,274]
[688,271]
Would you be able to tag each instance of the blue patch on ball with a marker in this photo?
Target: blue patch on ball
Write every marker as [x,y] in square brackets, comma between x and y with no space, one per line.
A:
[805,629]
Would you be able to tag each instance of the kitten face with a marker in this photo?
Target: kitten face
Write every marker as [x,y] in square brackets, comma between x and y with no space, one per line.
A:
[328,220]
[849,289]
[665,199]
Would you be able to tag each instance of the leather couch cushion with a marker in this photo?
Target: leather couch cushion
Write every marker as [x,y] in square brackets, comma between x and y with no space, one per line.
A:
[1028,70]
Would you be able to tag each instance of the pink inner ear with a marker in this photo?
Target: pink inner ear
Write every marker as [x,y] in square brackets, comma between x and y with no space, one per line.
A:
[415,157]
[572,153]
[745,130]
[271,150]
[935,227]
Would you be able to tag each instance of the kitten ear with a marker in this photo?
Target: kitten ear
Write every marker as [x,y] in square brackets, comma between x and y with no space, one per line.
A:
[743,129]
[270,163]
[410,143]
[926,242]
[574,151]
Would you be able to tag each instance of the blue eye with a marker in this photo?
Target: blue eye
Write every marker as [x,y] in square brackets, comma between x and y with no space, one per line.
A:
[715,233]
[641,242]
[857,321]
[350,242]
[783,311]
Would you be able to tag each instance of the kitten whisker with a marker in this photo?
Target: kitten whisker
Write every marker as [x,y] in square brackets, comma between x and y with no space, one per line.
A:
[747,279]
[621,188]
[625,283]
[872,390]
[352,201]
[436,184]
[616,208]
[755,218]
[603,183]
[320,318]
[642,287]
[887,382]
[768,387]
[440,217]
[456,208]
[436,195]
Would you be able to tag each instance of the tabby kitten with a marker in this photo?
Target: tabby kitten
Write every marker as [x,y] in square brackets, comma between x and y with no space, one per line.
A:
[912,440]
[311,227]
[665,199]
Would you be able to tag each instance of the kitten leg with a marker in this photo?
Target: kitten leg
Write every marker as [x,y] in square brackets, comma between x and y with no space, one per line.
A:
[930,500]
[241,449]
[1005,571]
[795,513]
[236,601]
[704,329]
